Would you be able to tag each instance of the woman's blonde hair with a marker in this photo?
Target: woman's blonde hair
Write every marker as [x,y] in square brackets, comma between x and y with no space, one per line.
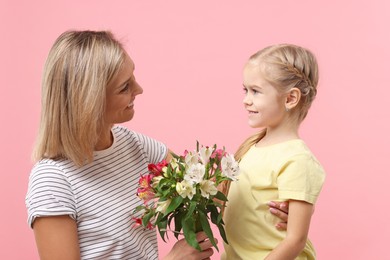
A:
[77,71]
[284,66]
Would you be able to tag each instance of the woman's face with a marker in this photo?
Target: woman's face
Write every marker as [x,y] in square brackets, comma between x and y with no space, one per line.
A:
[121,93]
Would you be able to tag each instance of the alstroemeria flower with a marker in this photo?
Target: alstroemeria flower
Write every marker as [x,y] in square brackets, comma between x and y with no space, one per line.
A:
[208,188]
[229,167]
[191,158]
[175,165]
[156,169]
[185,189]
[144,181]
[145,194]
[138,222]
[219,153]
[205,153]
[163,205]
[195,173]
[156,180]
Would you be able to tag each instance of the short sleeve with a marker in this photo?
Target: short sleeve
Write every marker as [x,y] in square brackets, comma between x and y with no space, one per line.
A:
[49,193]
[301,178]
[155,151]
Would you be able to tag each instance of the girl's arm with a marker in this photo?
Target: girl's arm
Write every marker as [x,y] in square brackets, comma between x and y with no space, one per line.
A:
[56,238]
[299,217]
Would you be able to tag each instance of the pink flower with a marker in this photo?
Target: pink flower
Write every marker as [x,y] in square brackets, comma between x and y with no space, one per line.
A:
[145,181]
[145,194]
[219,153]
[145,190]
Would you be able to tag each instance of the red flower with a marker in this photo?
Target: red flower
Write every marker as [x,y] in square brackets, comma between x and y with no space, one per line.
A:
[138,222]
[156,169]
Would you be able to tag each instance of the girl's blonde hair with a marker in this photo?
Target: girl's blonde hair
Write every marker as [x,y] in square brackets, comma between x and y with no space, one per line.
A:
[77,71]
[284,66]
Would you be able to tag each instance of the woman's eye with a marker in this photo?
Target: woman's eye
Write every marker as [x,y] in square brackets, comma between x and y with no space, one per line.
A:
[125,88]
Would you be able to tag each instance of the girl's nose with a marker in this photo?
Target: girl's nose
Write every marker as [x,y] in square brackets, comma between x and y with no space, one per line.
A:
[247,100]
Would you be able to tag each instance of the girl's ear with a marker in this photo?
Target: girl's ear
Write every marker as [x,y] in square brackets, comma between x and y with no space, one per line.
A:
[292,98]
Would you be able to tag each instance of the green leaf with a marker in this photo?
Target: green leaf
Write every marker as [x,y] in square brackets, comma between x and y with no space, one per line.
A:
[146,218]
[138,208]
[174,204]
[178,220]
[189,233]
[213,213]
[162,227]
[191,209]
[206,228]
[222,232]
[220,196]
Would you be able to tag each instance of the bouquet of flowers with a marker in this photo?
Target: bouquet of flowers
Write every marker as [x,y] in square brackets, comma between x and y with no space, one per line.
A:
[184,191]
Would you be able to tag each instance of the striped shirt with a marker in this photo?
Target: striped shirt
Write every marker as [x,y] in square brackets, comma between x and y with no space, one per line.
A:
[100,196]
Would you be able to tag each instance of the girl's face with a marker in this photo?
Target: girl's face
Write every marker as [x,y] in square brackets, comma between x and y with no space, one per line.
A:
[265,105]
[121,93]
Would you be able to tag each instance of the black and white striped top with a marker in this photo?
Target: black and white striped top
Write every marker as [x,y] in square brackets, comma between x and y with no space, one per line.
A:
[100,196]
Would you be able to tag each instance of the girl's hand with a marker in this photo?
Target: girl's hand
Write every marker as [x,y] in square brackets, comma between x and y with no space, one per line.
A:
[183,251]
[280,209]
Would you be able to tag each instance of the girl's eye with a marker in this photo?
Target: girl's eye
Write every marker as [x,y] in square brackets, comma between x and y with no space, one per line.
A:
[245,90]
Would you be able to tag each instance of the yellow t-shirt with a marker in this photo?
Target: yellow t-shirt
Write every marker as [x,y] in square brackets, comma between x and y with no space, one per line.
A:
[278,172]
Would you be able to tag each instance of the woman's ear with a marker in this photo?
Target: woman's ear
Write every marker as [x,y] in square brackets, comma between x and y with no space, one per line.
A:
[292,98]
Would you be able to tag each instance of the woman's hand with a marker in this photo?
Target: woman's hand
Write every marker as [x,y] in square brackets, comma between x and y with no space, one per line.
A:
[280,209]
[56,238]
[183,251]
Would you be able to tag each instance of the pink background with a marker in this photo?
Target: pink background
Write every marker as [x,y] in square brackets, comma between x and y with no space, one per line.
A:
[189,57]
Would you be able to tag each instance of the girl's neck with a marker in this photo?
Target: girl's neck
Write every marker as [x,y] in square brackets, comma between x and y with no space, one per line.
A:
[279,135]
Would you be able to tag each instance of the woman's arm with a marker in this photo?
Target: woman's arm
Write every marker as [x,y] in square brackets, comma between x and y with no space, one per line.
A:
[56,238]
[169,156]
[299,217]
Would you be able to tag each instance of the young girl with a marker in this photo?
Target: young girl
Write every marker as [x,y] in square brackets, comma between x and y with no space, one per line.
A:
[280,84]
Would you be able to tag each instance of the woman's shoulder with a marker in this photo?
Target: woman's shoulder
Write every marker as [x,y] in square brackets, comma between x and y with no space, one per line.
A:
[48,170]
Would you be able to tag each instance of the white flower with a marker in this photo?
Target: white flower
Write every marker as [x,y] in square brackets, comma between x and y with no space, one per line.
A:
[191,158]
[195,173]
[185,189]
[207,188]
[205,153]
[156,180]
[163,205]
[230,167]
